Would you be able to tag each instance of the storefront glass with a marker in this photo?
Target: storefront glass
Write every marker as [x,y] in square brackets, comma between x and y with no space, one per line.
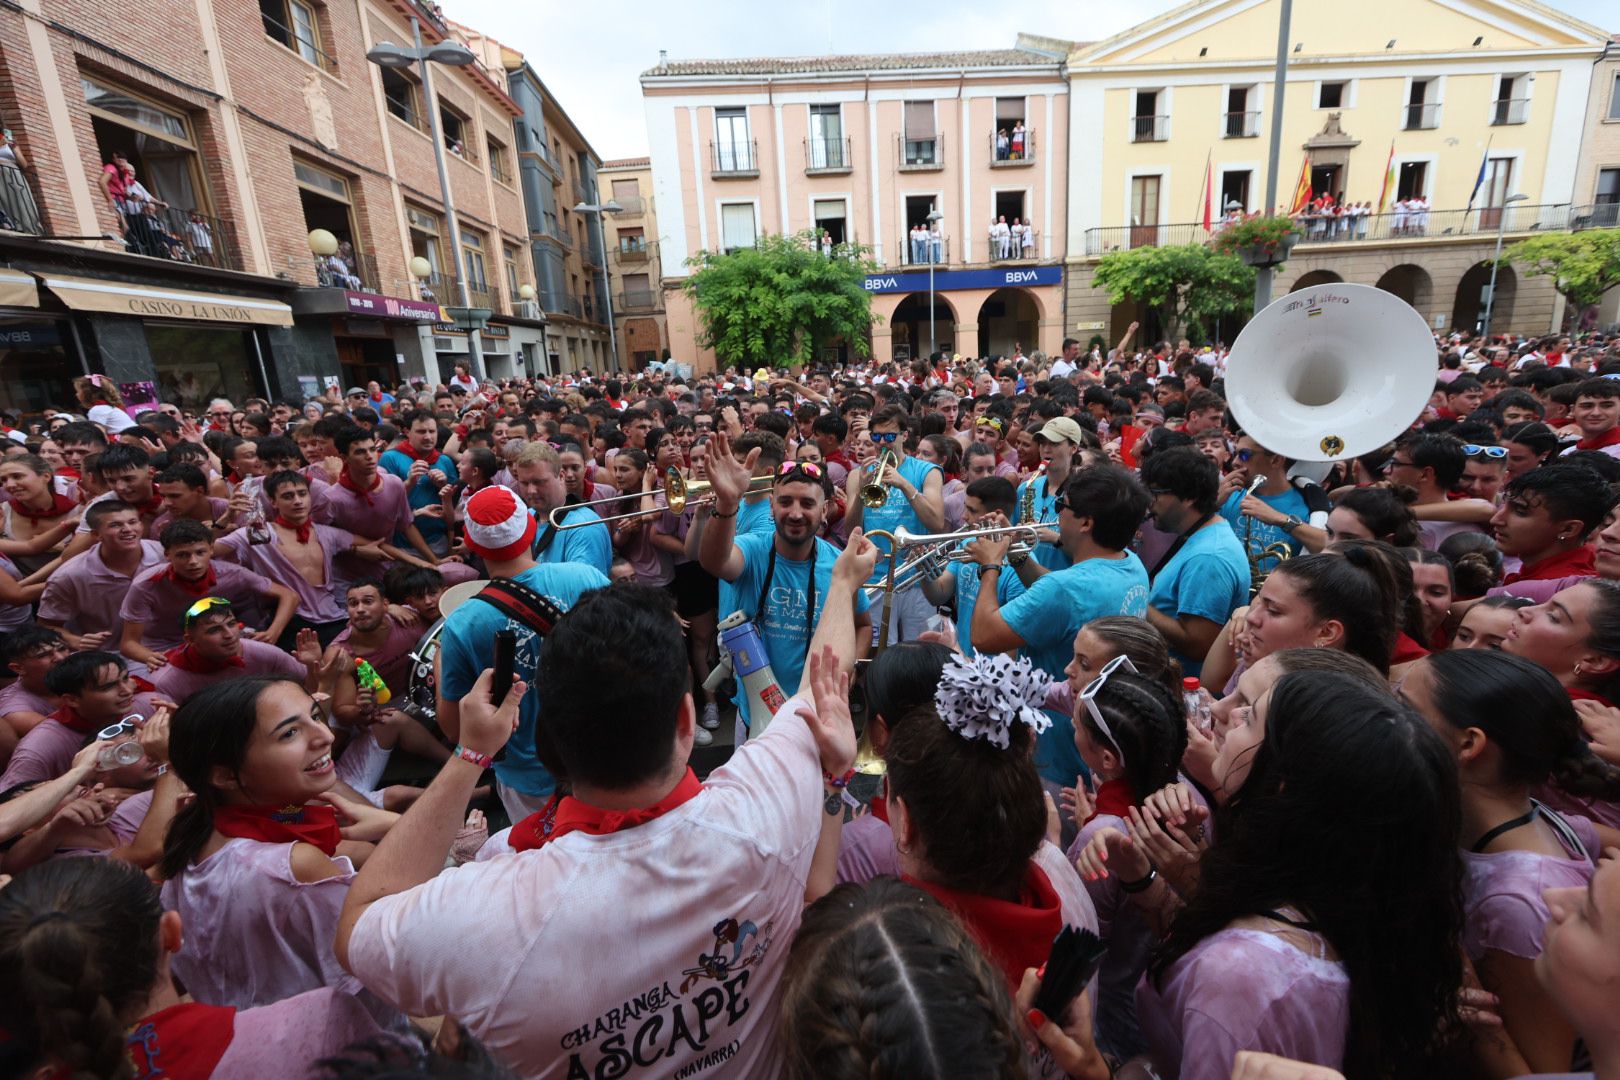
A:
[197,363]
[37,365]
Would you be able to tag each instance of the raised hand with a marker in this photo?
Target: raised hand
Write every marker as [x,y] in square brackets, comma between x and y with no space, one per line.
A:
[730,478]
[1111,851]
[486,724]
[830,722]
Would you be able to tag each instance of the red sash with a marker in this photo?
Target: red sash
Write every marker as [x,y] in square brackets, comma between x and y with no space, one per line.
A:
[1608,438]
[199,588]
[315,825]
[347,481]
[566,814]
[182,1042]
[151,506]
[60,504]
[1576,562]
[185,658]
[1406,648]
[1114,799]
[308,527]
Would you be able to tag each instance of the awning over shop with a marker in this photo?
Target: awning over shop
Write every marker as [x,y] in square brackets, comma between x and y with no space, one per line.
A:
[18,289]
[153,302]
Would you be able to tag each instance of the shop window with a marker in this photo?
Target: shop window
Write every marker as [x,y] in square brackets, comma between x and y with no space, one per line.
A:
[36,367]
[197,363]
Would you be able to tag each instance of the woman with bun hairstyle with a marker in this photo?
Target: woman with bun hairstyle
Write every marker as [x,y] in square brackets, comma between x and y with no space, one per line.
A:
[1476,564]
[1529,446]
[1512,729]
[85,951]
[1327,920]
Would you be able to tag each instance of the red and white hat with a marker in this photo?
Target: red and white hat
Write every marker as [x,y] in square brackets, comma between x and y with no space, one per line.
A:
[498,525]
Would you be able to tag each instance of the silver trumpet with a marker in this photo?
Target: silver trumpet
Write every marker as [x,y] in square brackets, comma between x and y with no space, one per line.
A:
[945,548]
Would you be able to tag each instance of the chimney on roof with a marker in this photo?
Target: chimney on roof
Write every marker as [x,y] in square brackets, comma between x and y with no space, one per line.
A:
[663,58]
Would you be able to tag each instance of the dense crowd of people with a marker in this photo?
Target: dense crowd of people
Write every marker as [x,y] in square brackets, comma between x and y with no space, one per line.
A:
[381,735]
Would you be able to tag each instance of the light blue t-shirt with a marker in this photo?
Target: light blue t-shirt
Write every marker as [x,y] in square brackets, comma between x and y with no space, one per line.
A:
[755,517]
[1290,502]
[467,647]
[967,592]
[1208,577]
[896,513]
[1048,616]
[1051,556]
[783,625]
[422,493]
[588,545]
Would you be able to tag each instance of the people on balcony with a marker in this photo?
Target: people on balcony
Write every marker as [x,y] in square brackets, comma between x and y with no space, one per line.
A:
[1001,238]
[1018,141]
[1003,145]
[936,243]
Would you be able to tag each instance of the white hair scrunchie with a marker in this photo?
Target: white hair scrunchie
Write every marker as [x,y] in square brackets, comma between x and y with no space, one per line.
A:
[981,697]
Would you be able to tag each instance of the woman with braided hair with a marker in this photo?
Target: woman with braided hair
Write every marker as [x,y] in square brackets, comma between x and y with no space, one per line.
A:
[883,981]
[1513,729]
[86,992]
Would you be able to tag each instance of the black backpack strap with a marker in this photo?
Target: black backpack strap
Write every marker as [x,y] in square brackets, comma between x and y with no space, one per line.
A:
[521,603]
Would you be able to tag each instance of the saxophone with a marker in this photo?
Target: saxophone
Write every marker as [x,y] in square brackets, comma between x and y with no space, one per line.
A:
[1026,505]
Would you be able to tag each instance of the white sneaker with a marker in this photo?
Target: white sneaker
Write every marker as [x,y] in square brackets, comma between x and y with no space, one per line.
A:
[702,737]
[711,716]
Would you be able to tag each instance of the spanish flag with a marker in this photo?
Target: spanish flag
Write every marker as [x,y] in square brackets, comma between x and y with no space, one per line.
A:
[1302,190]
[1389,179]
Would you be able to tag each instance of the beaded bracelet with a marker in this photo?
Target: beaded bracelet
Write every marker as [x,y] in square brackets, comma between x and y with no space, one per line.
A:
[838,781]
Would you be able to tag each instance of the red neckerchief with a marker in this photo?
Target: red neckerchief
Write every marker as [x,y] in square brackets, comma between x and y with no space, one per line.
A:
[199,588]
[182,1041]
[1439,642]
[566,814]
[879,808]
[185,658]
[69,472]
[151,506]
[304,530]
[1114,798]
[1017,934]
[347,481]
[69,717]
[1576,562]
[1577,694]
[1608,438]
[404,447]
[315,825]
[1406,648]
[60,504]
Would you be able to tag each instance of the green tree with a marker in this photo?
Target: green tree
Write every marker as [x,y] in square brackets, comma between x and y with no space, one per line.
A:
[779,302]
[1190,285]
[1583,265]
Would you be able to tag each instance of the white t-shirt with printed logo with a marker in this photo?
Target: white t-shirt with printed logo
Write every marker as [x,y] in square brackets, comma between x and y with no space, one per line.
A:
[656,951]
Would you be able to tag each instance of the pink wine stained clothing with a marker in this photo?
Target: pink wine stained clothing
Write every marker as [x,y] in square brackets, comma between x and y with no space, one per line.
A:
[257,659]
[159,604]
[47,751]
[283,1039]
[866,850]
[689,917]
[393,660]
[1590,807]
[1242,989]
[255,934]
[85,594]
[1502,904]
[216,510]
[17,698]
[318,603]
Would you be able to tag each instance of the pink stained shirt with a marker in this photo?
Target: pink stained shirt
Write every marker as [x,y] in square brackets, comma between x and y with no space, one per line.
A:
[17,698]
[317,603]
[286,1038]
[256,934]
[216,508]
[1503,908]
[393,661]
[387,512]
[257,659]
[47,751]
[84,595]
[706,899]
[160,605]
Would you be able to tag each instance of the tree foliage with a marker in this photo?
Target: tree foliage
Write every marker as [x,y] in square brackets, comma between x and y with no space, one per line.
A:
[1190,286]
[1583,265]
[779,302]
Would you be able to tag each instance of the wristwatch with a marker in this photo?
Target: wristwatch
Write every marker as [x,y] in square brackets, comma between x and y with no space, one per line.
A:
[1292,523]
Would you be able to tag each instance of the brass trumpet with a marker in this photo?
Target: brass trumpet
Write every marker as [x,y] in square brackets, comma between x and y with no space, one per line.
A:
[679,493]
[874,493]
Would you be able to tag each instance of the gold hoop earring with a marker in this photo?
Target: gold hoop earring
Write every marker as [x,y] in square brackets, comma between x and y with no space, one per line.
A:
[1578,669]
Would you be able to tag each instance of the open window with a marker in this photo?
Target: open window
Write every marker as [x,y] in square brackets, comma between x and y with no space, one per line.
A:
[457,129]
[832,218]
[1412,181]
[1423,105]
[1150,123]
[1512,104]
[296,24]
[1332,95]
[1242,118]
[1234,191]
[402,96]
[328,204]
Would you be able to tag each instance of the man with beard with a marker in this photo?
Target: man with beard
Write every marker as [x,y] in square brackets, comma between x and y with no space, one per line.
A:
[780,578]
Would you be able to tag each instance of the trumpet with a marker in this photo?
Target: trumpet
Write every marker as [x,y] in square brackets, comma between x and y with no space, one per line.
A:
[917,569]
[874,493]
[679,493]
[1277,550]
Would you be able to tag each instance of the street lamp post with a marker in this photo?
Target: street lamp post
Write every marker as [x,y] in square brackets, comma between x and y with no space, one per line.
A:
[453,54]
[598,209]
[934,217]
[1490,297]
[1279,86]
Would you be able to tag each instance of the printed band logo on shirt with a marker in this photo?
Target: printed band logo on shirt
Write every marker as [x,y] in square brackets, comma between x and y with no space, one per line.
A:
[659,1023]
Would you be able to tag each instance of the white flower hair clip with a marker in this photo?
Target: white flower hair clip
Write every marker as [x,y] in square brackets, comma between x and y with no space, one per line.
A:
[981,697]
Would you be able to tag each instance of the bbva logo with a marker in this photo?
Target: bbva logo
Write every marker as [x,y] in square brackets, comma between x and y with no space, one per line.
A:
[882,283]
[1016,276]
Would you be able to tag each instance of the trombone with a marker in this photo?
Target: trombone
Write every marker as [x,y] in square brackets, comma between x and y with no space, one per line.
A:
[679,493]
[874,493]
[914,570]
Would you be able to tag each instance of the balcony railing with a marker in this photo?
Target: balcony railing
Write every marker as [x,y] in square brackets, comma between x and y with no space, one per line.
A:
[631,206]
[18,210]
[1431,224]
[1013,148]
[827,155]
[636,300]
[167,232]
[1241,125]
[356,271]
[1019,243]
[1603,215]
[1510,111]
[920,153]
[1150,128]
[1422,117]
[584,192]
[562,304]
[298,42]
[734,158]
[633,253]
[936,251]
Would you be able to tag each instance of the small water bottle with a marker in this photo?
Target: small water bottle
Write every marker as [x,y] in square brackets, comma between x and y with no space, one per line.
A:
[258,529]
[940,623]
[1192,693]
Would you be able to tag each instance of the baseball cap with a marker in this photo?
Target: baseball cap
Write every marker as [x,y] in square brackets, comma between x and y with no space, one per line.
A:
[1062,429]
[498,526]
[355,391]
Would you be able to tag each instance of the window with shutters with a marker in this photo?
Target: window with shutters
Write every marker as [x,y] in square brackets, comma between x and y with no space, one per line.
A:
[737,229]
[920,142]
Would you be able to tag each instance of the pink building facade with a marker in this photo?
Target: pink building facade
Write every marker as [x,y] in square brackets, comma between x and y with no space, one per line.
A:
[867,150]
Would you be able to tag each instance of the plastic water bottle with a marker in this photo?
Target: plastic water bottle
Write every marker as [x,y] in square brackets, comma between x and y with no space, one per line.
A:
[1192,692]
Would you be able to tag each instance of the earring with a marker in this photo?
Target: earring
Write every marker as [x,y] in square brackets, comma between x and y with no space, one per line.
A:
[1577,668]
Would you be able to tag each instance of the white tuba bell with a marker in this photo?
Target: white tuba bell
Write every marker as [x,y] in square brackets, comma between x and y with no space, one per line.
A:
[1331,372]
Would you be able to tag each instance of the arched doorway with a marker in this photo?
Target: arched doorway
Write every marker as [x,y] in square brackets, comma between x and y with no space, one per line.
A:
[1410,283]
[909,326]
[1468,312]
[1009,319]
[1312,278]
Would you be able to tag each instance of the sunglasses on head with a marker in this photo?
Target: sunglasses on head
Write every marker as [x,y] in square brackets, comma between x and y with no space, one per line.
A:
[204,606]
[808,468]
[1495,453]
[1089,694]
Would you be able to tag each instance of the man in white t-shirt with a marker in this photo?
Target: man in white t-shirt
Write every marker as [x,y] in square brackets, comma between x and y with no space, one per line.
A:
[1068,363]
[645,919]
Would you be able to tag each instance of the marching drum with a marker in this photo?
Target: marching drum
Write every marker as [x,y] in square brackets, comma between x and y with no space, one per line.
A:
[421,696]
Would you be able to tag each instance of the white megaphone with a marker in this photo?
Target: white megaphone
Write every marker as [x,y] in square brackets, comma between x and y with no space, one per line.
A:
[1331,372]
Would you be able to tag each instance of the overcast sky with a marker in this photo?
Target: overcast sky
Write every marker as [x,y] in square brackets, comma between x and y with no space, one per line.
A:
[590,52]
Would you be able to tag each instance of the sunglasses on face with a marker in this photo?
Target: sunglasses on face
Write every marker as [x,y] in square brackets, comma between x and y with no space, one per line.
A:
[1089,694]
[1495,453]
[881,437]
[1244,455]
